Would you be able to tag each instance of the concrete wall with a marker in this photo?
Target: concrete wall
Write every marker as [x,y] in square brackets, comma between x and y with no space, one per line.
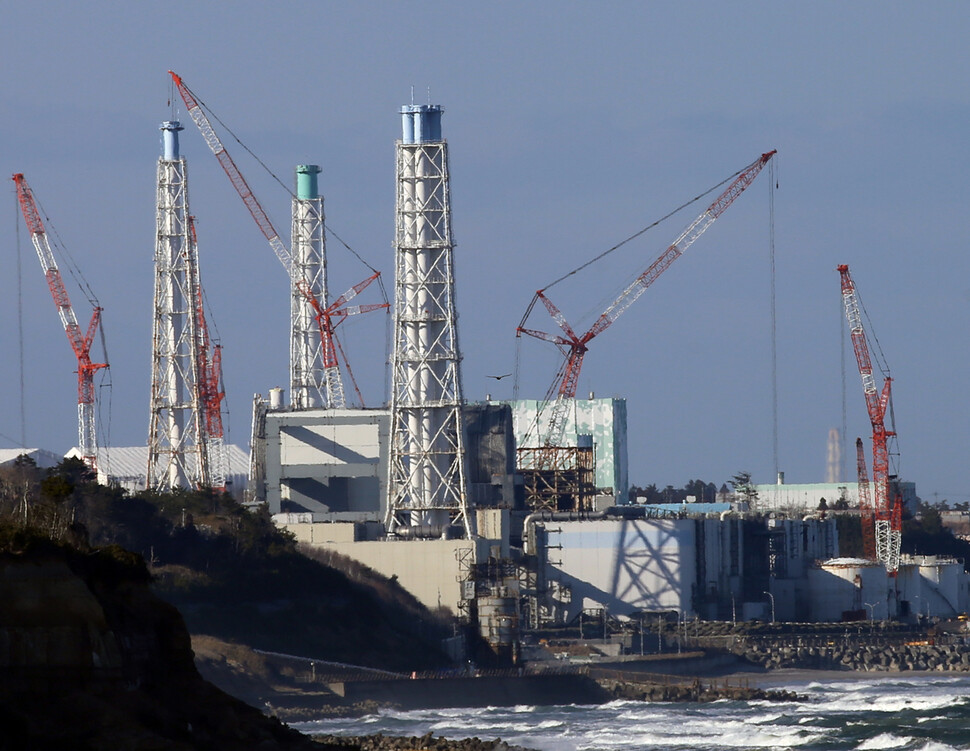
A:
[431,570]
[624,565]
[330,463]
[720,546]
[804,498]
[806,541]
[490,448]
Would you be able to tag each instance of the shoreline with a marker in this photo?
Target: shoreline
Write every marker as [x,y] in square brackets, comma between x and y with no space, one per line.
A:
[777,677]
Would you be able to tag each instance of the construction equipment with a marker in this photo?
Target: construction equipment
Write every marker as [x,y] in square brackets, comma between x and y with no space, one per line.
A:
[885,517]
[323,314]
[80,342]
[180,448]
[866,511]
[208,382]
[574,347]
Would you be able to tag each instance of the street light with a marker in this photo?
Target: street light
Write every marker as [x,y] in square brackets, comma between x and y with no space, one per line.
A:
[870,605]
[772,598]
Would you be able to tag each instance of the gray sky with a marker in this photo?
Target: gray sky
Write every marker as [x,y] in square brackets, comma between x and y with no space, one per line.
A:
[571,126]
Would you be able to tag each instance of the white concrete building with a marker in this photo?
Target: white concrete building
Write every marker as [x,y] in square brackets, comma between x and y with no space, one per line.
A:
[603,419]
[804,498]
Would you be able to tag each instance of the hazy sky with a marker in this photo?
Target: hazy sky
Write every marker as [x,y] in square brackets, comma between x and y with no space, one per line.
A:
[571,126]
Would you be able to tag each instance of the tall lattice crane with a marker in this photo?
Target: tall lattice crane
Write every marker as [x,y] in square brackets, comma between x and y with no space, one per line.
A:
[885,516]
[866,511]
[208,381]
[80,342]
[327,317]
[574,347]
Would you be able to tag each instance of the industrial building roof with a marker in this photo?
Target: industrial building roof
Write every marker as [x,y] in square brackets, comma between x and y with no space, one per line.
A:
[42,457]
[127,466]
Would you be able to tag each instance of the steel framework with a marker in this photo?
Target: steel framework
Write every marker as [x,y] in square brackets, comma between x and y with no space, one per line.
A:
[208,383]
[80,342]
[314,369]
[884,516]
[428,482]
[178,455]
[312,384]
[566,485]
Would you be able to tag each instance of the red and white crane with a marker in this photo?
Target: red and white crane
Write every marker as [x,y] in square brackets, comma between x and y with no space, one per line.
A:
[80,341]
[327,317]
[866,511]
[208,381]
[574,347]
[884,516]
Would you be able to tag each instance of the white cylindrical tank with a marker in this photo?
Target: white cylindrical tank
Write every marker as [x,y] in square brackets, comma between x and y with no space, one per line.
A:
[498,623]
[942,577]
[909,590]
[276,398]
[844,588]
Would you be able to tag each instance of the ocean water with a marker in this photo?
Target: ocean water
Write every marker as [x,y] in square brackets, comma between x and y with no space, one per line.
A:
[922,713]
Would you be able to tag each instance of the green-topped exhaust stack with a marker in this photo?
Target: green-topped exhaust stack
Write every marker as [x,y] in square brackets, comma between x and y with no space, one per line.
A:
[306,181]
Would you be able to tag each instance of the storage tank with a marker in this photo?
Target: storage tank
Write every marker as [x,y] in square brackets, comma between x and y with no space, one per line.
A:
[849,589]
[498,625]
[909,589]
[941,584]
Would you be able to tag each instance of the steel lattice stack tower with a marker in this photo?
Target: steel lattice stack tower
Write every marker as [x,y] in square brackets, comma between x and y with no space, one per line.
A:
[177,456]
[310,384]
[427,484]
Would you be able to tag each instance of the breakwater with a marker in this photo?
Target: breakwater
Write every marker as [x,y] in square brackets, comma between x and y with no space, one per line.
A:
[838,646]
[857,655]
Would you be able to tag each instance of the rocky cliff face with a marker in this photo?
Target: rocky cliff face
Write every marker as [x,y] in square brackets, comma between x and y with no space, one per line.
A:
[91,659]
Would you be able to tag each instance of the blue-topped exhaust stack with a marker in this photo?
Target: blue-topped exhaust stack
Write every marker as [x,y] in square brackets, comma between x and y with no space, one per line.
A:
[427,485]
[170,139]
[421,123]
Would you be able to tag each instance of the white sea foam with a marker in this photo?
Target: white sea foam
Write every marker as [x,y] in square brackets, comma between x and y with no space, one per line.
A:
[884,740]
[834,712]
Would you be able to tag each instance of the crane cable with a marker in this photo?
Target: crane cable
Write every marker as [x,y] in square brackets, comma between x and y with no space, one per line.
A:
[884,369]
[620,244]
[772,185]
[20,324]
[590,262]
[380,278]
[276,177]
[73,269]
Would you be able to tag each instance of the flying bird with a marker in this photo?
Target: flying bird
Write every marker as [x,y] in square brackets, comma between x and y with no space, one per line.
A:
[499,377]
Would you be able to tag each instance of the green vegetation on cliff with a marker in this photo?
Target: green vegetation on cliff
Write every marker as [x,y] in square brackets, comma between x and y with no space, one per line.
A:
[229,570]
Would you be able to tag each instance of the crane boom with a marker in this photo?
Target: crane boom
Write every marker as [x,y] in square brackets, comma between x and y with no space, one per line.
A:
[208,381]
[866,515]
[80,342]
[577,345]
[235,176]
[687,238]
[323,313]
[886,518]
